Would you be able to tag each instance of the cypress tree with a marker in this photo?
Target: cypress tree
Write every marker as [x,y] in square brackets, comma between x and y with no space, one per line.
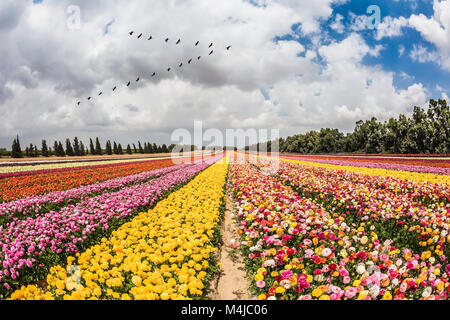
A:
[164,149]
[61,150]
[98,147]
[155,148]
[115,149]
[55,149]
[44,149]
[69,148]
[91,146]
[150,148]
[129,149]
[82,149]
[146,150]
[140,147]
[108,148]
[36,153]
[16,150]
[134,148]
[119,149]
[76,147]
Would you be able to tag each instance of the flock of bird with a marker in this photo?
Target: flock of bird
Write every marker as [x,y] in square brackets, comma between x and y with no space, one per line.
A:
[131,33]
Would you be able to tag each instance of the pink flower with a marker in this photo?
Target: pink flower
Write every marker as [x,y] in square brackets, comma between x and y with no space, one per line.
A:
[346,279]
[287,274]
[350,292]
[260,284]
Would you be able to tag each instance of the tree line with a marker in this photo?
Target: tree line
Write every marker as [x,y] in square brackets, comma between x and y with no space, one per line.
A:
[425,132]
[76,147]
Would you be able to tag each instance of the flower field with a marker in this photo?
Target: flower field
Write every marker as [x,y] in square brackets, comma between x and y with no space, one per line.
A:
[306,228]
[323,233]
[164,253]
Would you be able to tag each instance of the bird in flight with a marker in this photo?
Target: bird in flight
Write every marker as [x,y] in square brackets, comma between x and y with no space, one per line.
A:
[168,69]
[228,48]
[210,45]
[211,52]
[137,80]
[128,84]
[181,64]
[114,89]
[79,102]
[131,33]
[154,74]
[190,60]
[167,39]
[179,40]
[100,93]
[150,38]
[199,57]
[196,44]
[89,98]
[139,36]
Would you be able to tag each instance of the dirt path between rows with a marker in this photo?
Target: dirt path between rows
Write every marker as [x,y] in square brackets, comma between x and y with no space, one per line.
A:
[232,281]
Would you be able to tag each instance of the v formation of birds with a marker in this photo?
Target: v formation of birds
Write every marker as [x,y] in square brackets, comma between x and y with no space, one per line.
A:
[128,84]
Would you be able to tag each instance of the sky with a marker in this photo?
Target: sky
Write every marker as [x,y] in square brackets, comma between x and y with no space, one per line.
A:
[294,65]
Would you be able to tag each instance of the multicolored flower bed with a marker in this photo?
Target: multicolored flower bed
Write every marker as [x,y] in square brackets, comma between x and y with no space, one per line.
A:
[442,168]
[165,253]
[30,247]
[27,207]
[420,160]
[298,248]
[24,186]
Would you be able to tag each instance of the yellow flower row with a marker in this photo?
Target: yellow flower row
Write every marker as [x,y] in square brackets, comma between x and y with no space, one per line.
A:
[404,175]
[164,253]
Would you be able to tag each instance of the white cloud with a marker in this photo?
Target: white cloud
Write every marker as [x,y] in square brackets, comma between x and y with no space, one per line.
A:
[391,27]
[436,30]
[421,54]
[337,24]
[45,67]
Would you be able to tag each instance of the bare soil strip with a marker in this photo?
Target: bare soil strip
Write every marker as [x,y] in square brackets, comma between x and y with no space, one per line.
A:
[232,281]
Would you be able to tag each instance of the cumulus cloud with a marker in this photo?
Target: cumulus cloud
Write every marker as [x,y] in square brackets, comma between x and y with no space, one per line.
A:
[436,30]
[391,27]
[46,67]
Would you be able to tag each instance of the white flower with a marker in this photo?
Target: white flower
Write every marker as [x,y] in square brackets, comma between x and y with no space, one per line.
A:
[272,298]
[374,291]
[269,263]
[360,268]
[326,252]
[427,292]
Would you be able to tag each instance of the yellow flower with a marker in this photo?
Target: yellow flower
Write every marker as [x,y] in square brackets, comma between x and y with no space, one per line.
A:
[387,296]
[280,290]
[317,292]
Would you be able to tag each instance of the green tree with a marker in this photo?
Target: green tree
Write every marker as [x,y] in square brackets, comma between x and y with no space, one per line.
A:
[108,149]
[16,149]
[44,149]
[98,147]
[69,148]
[91,146]
[76,147]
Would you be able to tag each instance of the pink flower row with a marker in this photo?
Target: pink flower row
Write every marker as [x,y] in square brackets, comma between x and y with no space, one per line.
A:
[34,204]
